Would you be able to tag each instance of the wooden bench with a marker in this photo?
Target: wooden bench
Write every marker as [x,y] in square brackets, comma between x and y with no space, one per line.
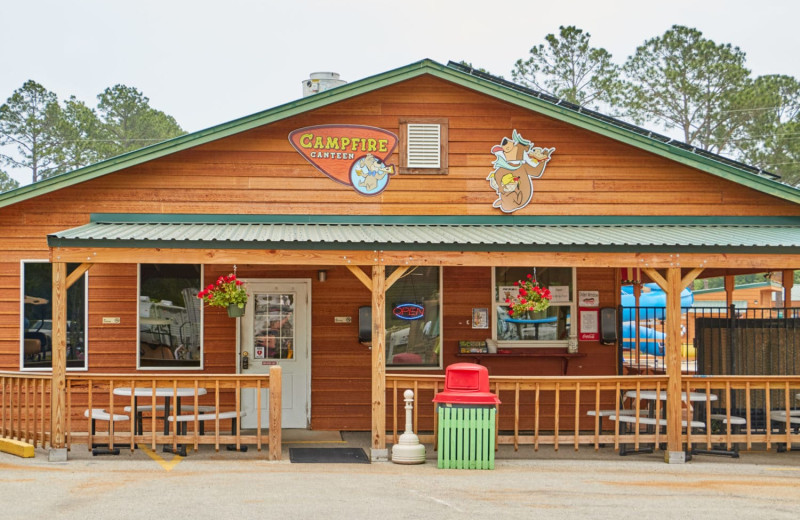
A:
[99,414]
[202,418]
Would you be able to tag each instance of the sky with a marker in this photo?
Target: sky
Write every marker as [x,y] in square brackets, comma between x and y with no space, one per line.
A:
[206,63]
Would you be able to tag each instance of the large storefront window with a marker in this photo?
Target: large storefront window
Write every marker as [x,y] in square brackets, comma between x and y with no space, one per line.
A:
[550,327]
[170,316]
[37,317]
[413,313]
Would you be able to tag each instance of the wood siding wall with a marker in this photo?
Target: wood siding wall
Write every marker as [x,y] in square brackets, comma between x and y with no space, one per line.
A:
[258,172]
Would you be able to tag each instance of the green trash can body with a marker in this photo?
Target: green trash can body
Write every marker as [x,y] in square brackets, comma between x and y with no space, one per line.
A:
[466,436]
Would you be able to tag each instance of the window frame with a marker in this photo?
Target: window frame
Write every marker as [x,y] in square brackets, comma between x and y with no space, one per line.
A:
[139,367]
[443,146]
[563,343]
[22,368]
[439,364]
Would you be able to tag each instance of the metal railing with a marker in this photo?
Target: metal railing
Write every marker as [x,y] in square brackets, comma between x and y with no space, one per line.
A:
[714,340]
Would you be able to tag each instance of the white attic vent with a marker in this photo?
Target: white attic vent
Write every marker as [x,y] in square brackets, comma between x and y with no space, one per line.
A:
[424,146]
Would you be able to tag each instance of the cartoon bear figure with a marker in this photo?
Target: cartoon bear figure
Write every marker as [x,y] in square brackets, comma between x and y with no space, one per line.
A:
[371,170]
[517,163]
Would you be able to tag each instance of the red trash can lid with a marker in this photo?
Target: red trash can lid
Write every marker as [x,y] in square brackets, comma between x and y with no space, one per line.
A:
[466,383]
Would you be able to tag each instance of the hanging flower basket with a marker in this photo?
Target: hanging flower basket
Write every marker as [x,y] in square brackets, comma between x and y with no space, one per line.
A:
[531,298]
[227,292]
[234,311]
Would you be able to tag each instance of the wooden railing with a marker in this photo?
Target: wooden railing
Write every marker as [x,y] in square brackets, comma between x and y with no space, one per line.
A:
[25,407]
[754,399]
[562,411]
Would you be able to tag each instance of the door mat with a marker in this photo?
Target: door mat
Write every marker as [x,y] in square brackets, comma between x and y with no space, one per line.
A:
[328,455]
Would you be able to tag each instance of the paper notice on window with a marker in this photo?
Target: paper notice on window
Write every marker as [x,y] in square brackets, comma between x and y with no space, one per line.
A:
[560,293]
[507,292]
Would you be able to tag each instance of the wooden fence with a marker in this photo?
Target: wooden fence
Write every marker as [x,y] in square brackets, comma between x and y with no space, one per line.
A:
[25,410]
[573,411]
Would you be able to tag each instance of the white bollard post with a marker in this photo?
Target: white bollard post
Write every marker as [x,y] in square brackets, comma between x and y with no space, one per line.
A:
[408,450]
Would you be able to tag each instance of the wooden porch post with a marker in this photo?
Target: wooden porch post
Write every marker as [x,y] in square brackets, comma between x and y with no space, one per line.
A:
[379,451]
[672,286]
[673,362]
[730,285]
[788,283]
[58,413]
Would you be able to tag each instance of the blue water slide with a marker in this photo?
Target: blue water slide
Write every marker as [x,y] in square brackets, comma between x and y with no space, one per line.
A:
[652,302]
[651,341]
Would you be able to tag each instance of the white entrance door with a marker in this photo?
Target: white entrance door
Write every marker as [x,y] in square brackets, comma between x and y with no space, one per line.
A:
[276,330]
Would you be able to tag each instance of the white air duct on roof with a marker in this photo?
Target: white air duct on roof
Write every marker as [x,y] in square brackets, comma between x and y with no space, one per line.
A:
[320,82]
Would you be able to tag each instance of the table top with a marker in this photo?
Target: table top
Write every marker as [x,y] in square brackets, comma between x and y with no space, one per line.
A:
[651,394]
[167,391]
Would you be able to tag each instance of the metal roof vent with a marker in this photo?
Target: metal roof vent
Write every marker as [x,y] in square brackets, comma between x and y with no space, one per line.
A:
[320,82]
[424,145]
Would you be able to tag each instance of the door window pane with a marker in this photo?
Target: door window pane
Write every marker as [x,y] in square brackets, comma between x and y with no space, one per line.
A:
[37,320]
[273,326]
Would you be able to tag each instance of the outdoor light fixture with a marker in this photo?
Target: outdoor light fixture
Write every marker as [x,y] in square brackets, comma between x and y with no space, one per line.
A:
[322,275]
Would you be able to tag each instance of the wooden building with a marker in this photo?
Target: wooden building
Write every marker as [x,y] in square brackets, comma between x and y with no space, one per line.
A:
[423,192]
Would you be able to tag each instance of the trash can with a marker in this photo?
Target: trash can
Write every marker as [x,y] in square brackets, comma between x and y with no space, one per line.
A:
[466,412]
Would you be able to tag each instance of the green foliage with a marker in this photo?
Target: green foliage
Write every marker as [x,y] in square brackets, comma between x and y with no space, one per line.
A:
[78,131]
[770,132]
[228,290]
[567,67]
[7,183]
[28,124]
[683,80]
[128,121]
[48,138]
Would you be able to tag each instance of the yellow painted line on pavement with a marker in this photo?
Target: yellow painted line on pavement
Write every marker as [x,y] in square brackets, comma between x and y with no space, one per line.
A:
[167,465]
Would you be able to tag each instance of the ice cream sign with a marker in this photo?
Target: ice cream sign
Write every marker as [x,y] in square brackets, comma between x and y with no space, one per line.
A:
[349,154]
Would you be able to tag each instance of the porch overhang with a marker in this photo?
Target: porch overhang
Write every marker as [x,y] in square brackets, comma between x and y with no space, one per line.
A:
[734,242]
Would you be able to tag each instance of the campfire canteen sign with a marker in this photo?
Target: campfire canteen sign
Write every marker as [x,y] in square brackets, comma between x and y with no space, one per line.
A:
[354,155]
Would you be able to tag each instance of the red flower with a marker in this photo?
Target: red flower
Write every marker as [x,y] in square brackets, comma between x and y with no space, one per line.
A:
[530,276]
[522,291]
[516,283]
[523,301]
[239,282]
[510,312]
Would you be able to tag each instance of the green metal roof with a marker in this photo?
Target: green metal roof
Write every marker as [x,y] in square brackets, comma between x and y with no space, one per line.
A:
[428,233]
[605,126]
